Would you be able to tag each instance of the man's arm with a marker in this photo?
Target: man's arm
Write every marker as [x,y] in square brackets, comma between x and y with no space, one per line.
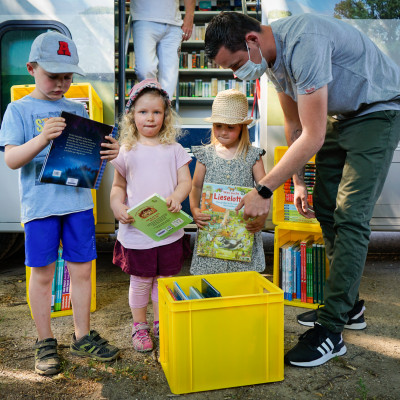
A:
[187,26]
[311,117]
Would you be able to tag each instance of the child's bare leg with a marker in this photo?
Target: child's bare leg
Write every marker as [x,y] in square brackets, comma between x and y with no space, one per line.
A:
[40,298]
[139,314]
[81,293]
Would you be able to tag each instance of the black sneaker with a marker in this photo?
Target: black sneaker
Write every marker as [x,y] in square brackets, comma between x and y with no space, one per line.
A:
[47,361]
[316,346]
[94,346]
[356,317]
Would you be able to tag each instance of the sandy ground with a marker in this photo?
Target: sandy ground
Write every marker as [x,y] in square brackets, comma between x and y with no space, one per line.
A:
[369,370]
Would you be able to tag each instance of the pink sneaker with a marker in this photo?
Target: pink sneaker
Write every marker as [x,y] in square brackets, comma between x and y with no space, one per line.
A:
[140,337]
[156,329]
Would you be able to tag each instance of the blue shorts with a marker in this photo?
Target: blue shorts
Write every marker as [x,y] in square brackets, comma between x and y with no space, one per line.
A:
[76,231]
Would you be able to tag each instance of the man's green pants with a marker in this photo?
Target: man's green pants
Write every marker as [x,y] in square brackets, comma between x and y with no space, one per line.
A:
[352,166]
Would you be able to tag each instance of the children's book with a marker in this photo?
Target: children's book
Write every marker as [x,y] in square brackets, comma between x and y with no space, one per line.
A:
[208,290]
[153,218]
[74,157]
[179,293]
[195,293]
[226,235]
[171,293]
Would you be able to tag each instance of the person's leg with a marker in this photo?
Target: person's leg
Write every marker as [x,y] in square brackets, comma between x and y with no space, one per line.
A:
[369,142]
[81,294]
[79,249]
[41,249]
[168,50]
[146,35]
[139,292]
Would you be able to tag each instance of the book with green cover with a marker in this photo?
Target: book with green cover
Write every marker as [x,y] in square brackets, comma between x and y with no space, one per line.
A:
[226,235]
[153,218]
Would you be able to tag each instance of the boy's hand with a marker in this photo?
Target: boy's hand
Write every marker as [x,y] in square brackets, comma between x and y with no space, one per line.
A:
[173,204]
[111,149]
[52,128]
[121,215]
[200,219]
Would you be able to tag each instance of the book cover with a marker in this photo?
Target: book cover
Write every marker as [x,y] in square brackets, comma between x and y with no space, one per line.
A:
[66,297]
[226,235]
[195,293]
[59,270]
[179,293]
[74,157]
[208,290]
[153,218]
[171,293]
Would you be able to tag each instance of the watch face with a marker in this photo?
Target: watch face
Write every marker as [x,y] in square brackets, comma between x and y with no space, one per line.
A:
[263,191]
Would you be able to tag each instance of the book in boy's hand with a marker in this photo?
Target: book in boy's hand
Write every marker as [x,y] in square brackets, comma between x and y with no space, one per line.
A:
[226,235]
[74,157]
[153,218]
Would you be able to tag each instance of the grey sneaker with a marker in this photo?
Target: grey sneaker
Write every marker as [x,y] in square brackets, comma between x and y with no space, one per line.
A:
[94,346]
[356,317]
[47,361]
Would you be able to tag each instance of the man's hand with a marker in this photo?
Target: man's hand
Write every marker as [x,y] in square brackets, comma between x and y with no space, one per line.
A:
[301,201]
[254,205]
[200,219]
[112,149]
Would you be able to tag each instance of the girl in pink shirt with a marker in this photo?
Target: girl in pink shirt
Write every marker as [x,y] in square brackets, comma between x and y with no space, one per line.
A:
[150,161]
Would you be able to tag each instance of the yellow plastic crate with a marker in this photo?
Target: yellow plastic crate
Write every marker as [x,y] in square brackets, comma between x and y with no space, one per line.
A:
[292,232]
[223,342]
[65,312]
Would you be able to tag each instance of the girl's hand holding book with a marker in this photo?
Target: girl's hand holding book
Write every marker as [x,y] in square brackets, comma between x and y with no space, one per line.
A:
[121,215]
[200,219]
[173,204]
[256,224]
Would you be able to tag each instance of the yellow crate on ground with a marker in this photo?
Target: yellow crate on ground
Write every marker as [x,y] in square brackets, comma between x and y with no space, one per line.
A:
[65,312]
[81,91]
[223,342]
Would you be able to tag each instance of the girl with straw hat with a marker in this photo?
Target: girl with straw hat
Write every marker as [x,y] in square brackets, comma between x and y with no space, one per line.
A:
[229,159]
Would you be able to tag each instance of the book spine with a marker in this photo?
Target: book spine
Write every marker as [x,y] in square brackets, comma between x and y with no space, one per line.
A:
[104,162]
[289,272]
[294,273]
[315,273]
[60,270]
[310,274]
[303,272]
[66,298]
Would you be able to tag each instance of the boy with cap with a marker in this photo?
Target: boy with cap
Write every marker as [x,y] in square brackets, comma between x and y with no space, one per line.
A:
[52,212]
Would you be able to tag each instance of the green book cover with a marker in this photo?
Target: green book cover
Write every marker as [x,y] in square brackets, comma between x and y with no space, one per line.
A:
[153,218]
[226,235]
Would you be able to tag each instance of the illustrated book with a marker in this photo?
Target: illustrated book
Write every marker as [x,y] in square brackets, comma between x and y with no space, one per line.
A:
[153,218]
[74,157]
[226,235]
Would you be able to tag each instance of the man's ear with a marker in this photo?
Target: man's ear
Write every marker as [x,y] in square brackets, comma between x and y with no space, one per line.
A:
[252,37]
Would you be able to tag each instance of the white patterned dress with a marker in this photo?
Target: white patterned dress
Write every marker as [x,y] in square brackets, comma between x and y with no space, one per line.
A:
[238,172]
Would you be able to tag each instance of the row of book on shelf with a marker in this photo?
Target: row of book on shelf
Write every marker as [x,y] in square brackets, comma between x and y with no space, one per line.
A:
[206,291]
[196,60]
[302,270]
[60,289]
[290,212]
[217,5]
[200,88]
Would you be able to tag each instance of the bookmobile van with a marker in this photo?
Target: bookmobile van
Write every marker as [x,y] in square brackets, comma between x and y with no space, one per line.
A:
[91,23]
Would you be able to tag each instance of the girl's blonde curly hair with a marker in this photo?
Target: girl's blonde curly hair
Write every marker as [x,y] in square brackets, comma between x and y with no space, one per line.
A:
[170,130]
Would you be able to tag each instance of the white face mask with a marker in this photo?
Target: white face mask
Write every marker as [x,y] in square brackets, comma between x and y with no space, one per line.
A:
[251,70]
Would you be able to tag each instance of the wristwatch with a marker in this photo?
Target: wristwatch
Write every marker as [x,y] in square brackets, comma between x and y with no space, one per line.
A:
[264,191]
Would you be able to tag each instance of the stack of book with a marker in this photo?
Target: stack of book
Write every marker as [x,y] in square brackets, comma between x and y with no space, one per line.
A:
[290,211]
[302,270]
[206,291]
[60,290]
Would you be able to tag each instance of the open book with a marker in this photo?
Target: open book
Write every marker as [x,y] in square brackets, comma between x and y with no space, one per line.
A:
[153,218]
[226,235]
[74,157]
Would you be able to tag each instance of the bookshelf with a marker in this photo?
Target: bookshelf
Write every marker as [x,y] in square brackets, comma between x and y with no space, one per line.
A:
[85,93]
[293,231]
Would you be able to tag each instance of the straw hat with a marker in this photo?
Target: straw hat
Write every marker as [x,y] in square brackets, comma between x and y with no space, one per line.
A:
[230,107]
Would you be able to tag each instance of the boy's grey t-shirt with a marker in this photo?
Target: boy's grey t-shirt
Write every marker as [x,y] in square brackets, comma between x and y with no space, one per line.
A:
[313,51]
[22,121]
